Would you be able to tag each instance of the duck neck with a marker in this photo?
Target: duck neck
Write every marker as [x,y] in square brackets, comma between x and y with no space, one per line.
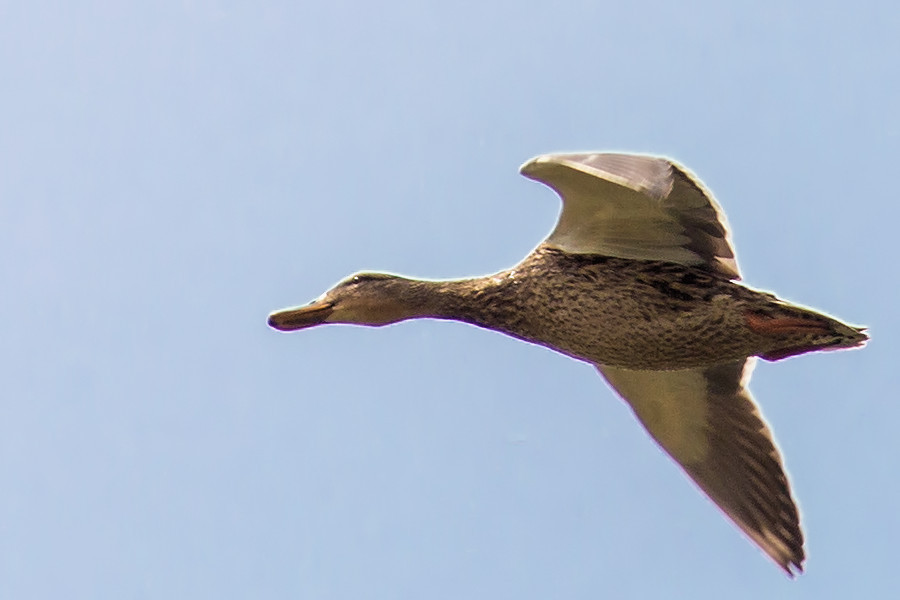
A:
[481,301]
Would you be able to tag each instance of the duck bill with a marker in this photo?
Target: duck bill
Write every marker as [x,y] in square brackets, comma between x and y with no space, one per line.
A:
[292,319]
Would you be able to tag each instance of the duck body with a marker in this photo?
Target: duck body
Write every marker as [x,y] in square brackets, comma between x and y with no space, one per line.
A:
[639,278]
[637,314]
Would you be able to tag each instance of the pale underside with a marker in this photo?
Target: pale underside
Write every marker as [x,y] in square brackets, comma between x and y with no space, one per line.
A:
[650,208]
[632,206]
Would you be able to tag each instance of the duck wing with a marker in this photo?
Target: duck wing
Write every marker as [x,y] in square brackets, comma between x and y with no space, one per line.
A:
[635,206]
[707,421]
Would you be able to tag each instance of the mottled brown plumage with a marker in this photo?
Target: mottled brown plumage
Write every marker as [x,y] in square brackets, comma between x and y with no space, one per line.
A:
[627,313]
[640,279]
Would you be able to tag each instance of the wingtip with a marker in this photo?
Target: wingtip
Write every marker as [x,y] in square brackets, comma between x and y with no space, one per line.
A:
[532,166]
[793,568]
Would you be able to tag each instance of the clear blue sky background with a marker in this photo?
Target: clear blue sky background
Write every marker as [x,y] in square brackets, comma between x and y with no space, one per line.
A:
[170,172]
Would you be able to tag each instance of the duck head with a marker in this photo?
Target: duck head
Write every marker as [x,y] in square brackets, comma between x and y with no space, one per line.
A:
[373,299]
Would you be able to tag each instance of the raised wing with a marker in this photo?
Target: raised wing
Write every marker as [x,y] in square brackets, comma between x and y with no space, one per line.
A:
[706,420]
[634,206]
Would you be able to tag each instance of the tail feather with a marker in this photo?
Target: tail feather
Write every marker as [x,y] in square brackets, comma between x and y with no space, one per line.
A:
[799,330]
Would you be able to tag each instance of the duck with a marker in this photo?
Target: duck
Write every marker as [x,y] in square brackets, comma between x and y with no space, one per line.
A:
[638,278]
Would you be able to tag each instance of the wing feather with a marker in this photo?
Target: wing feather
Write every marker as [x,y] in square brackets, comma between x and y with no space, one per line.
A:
[635,206]
[706,420]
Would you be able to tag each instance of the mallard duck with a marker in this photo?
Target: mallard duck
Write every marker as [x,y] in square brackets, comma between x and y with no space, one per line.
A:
[640,279]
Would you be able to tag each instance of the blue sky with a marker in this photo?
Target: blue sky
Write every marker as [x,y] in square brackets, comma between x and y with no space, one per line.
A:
[170,172]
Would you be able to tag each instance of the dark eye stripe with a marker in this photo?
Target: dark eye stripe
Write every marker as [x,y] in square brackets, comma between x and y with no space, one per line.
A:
[369,277]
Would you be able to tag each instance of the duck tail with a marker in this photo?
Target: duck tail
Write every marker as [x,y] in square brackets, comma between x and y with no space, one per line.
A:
[800,330]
